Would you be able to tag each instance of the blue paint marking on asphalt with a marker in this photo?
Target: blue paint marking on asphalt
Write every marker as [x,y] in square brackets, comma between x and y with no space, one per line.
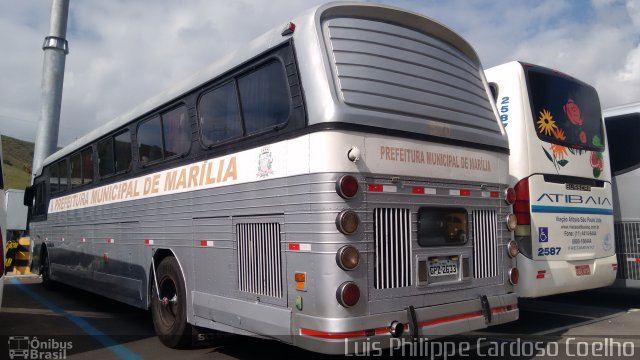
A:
[109,343]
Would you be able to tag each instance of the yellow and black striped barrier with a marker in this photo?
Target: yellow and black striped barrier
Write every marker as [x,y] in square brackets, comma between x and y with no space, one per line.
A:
[18,256]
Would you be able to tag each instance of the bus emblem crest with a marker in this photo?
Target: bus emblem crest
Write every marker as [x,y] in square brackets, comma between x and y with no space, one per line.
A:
[265,159]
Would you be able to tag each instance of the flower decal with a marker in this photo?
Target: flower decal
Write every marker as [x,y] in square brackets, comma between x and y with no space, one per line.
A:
[546,125]
[560,135]
[559,151]
[596,141]
[573,113]
[583,137]
[597,163]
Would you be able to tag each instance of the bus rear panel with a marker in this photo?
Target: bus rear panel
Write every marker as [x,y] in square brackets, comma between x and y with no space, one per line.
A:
[559,168]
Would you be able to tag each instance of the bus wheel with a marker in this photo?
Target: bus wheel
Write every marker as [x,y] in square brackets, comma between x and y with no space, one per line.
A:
[169,312]
[45,271]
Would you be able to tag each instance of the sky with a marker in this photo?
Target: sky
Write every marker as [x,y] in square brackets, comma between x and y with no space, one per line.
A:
[123,52]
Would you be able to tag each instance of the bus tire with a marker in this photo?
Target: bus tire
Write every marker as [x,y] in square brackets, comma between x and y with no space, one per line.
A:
[45,271]
[170,312]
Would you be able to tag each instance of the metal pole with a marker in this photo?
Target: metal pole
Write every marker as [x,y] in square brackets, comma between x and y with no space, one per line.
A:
[55,49]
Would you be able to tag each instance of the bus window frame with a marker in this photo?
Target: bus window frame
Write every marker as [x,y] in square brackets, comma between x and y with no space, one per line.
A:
[252,70]
[159,115]
[56,165]
[83,180]
[233,77]
[209,90]
[112,137]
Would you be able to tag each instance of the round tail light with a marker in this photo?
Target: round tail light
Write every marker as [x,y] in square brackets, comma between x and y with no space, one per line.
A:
[514,276]
[347,222]
[512,248]
[347,186]
[348,294]
[510,196]
[348,257]
[512,222]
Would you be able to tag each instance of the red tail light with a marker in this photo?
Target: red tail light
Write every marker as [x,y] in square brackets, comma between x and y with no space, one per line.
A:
[348,294]
[510,196]
[514,276]
[521,207]
[347,186]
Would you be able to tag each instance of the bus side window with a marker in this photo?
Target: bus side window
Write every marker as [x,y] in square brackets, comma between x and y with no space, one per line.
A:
[87,165]
[58,176]
[52,171]
[63,175]
[264,97]
[219,115]
[150,141]
[76,170]
[39,208]
[105,157]
[176,131]
[122,145]
[624,149]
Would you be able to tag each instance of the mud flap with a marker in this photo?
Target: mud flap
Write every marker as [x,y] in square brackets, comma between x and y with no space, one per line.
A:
[486,308]
[413,321]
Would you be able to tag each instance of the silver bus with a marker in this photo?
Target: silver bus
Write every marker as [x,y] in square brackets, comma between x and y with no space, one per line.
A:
[623,130]
[340,179]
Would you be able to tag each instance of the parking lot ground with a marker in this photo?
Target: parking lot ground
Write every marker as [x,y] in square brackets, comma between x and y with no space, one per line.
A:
[73,324]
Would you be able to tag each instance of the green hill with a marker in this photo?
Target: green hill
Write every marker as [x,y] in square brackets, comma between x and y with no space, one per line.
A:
[18,156]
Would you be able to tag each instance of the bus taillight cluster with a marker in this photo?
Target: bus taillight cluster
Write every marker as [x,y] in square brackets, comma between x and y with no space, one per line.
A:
[521,205]
[347,257]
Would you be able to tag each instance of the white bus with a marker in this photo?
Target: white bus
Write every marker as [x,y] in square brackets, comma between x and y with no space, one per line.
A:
[341,179]
[559,167]
[3,221]
[623,133]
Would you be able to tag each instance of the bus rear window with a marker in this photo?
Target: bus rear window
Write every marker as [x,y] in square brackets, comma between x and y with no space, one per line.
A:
[624,149]
[442,226]
[565,111]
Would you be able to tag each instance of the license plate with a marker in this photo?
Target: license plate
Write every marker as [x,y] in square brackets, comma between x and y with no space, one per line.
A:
[583,270]
[442,268]
[579,187]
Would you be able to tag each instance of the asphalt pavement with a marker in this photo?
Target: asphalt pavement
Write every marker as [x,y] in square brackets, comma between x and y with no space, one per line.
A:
[68,323]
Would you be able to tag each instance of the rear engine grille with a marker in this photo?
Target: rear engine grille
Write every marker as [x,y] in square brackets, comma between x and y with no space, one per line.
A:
[259,264]
[627,236]
[485,244]
[392,233]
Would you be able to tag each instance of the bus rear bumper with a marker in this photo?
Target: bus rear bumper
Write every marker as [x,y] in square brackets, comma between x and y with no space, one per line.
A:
[542,278]
[349,335]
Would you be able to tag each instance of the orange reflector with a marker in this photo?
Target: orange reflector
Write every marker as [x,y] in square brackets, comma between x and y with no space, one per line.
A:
[300,286]
[300,277]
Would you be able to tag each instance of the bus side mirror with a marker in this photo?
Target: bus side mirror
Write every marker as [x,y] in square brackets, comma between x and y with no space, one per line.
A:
[28,196]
